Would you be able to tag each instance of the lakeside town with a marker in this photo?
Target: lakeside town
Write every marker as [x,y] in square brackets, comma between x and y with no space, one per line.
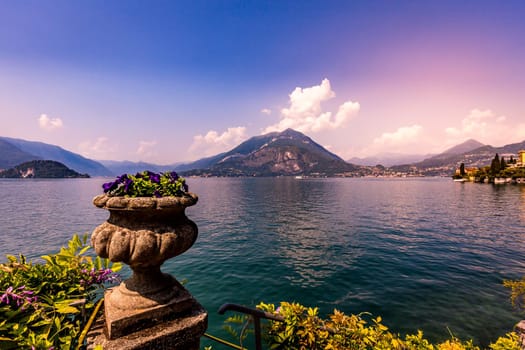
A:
[504,169]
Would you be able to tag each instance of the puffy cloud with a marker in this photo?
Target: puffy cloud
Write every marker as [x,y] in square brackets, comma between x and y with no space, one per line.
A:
[101,148]
[47,123]
[305,113]
[146,148]
[266,111]
[487,127]
[213,142]
[404,140]
[402,136]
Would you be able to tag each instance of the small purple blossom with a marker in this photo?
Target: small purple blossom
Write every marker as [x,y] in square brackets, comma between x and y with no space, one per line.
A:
[108,186]
[101,276]
[155,178]
[127,184]
[18,296]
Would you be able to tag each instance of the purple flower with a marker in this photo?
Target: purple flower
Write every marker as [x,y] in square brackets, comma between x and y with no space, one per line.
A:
[19,296]
[99,276]
[109,186]
[155,178]
[174,176]
[127,183]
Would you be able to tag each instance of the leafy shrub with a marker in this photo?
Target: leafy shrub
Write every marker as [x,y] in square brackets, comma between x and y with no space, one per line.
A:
[303,328]
[42,306]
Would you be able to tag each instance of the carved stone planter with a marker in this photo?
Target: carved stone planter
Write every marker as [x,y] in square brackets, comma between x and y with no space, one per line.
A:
[143,232]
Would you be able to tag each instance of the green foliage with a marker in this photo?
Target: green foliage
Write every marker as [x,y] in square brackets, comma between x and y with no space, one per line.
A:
[511,341]
[42,306]
[303,328]
[237,326]
[517,294]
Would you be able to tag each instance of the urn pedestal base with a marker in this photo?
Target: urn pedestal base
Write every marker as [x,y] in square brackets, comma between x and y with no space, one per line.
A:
[127,310]
[181,333]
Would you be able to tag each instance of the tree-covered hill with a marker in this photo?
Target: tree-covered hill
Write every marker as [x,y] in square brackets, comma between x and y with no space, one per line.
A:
[41,169]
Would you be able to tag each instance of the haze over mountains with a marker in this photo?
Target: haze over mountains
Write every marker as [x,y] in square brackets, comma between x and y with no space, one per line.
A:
[16,151]
[280,153]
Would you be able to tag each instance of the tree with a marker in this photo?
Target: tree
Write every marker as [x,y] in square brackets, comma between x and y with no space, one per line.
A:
[495,166]
[503,164]
[462,170]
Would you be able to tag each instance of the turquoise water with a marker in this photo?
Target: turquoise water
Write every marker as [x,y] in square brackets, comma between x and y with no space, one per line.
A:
[425,254]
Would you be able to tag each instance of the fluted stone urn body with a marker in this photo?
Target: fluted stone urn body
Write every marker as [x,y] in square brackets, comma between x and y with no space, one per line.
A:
[143,232]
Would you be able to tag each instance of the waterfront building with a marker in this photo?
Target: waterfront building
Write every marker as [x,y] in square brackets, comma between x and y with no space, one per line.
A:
[521,158]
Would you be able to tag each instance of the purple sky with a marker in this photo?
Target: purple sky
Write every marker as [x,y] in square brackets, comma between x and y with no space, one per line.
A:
[169,81]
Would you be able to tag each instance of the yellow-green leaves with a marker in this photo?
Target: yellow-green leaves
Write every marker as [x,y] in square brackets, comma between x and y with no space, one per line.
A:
[39,302]
[304,329]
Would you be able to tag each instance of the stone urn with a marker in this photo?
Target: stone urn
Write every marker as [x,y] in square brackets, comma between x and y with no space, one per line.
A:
[143,232]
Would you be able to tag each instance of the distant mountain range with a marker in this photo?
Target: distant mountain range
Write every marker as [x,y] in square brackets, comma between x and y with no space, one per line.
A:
[393,159]
[471,153]
[128,167]
[388,159]
[16,151]
[275,154]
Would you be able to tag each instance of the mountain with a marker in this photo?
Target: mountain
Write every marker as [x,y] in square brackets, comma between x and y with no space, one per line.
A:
[41,169]
[10,155]
[464,147]
[395,159]
[128,167]
[447,162]
[286,153]
[40,150]
[388,159]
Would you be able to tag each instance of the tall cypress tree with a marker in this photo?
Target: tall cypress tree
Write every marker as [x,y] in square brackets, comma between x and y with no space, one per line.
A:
[495,166]
[462,169]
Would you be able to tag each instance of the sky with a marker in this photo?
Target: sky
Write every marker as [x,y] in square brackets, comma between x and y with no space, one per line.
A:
[174,81]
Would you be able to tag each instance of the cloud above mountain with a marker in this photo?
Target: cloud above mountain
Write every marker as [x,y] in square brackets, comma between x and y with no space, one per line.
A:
[213,143]
[403,135]
[486,126]
[47,123]
[101,148]
[305,111]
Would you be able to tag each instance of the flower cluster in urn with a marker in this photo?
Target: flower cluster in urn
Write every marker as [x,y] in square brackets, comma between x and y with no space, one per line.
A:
[147,225]
[147,184]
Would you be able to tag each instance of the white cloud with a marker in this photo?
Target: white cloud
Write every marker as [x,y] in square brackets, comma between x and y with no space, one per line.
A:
[305,113]
[486,127]
[266,111]
[101,148]
[47,123]
[403,135]
[213,142]
[146,148]
[411,139]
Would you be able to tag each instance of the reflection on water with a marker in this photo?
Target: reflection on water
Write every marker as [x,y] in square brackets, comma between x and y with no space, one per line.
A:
[423,253]
[522,203]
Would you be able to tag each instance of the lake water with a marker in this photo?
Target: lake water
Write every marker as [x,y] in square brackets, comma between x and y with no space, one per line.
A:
[425,254]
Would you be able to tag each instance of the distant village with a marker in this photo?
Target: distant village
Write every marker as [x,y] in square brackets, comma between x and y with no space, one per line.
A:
[504,168]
